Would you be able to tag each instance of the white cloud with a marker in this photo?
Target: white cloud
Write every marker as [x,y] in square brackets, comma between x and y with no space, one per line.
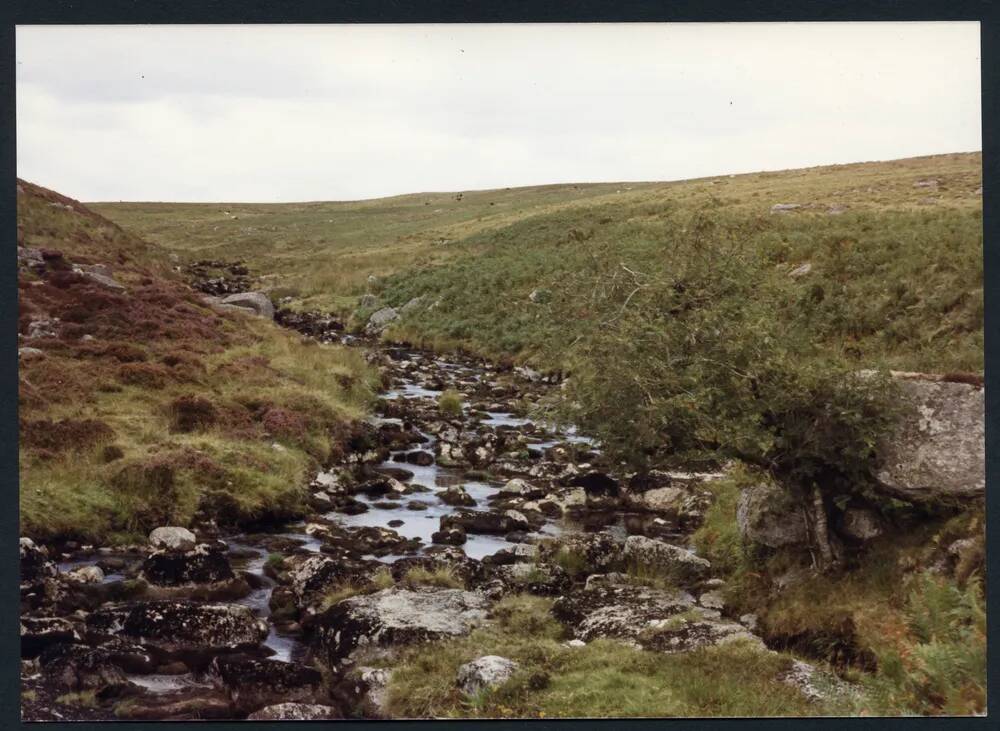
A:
[265,113]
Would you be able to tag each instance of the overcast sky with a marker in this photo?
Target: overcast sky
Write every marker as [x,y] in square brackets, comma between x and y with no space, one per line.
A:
[286,113]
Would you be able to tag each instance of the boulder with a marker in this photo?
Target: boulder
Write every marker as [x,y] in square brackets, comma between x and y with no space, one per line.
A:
[35,563]
[178,628]
[380,320]
[484,673]
[172,538]
[665,559]
[618,611]
[367,301]
[258,302]
[296,712]
[394,617]
[449,536]
[587,552]
[86,575]
[937,453]
[204,564]
[364,692]
[253,683]
[310,577]
[769,516]
[75,668]
[456,496]
[474,521]
[687,633]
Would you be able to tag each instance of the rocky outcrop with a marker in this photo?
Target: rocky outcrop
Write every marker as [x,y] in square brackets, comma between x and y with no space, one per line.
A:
[380,320]
[620,612]
[937,453]
[663,559]
[769,516]
[394,617]
[257,302]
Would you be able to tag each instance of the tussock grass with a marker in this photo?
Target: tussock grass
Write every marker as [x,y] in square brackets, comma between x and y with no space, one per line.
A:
[450,403]
[604,678]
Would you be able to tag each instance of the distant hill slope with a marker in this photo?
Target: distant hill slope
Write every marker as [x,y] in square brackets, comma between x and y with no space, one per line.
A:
[141,405]
[321,254]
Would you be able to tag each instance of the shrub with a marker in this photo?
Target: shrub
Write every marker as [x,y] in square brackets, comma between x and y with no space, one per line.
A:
[64,435]
[192,413]
[144,375]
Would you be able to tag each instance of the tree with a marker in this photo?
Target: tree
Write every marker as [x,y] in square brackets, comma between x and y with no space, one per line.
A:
[693,362]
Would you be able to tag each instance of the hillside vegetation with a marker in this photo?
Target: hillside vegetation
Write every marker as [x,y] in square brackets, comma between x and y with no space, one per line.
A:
[141,405]
[894,252]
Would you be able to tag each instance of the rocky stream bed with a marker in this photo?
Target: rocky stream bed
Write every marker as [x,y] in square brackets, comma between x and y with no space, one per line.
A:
[213,624]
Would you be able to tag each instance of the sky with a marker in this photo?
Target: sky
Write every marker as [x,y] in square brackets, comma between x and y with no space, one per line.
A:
[259,113]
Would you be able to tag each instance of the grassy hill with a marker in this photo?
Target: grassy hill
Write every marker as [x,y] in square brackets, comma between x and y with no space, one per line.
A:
[141,405]
[893,249]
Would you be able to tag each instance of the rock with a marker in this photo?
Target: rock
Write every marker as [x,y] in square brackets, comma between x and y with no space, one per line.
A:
[86,575]
[785,207]
[310,577]
[817,685]
[380,320]
[75,668]
[801,270]
[411,305]
[589,553]
[474,521]
[172,538]
[860,524]
[256,301]
[712,600]
[253,683]
[365,692]
[484,673]
[749,621]
[620,612]
[28,354]
[296,712]
[43,328]
[665,559]
[937,453]
[394,617]
[420,458]
[204,564]
[103,280]
[34,561]
[926,183]
[178,628]
[192,704]
[685,633]
[540,296]
[39,633]
[769,516]
[456,496]
[449,536]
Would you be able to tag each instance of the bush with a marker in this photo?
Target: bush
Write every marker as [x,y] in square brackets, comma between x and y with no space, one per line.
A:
[192,413]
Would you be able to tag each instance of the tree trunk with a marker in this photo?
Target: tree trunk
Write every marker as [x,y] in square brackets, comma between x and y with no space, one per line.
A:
[821,534]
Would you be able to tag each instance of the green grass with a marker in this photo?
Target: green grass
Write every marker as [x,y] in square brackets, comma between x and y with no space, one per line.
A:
[603,679]
[169,408]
